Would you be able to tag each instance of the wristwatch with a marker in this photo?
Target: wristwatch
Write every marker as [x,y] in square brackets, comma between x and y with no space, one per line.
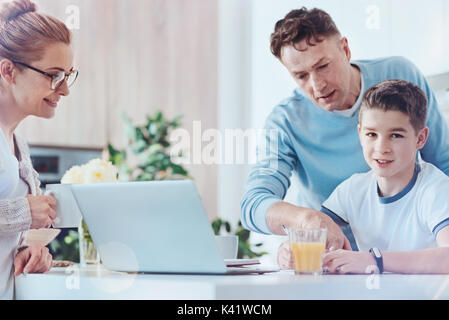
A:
[378,257]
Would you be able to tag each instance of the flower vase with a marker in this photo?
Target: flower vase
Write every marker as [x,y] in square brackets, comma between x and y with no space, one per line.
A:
[88,252]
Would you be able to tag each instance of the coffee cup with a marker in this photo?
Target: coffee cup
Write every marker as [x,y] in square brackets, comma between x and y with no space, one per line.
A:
[227,246]
[68,214]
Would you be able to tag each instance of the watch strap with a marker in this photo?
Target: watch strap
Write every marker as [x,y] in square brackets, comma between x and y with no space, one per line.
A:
[378,257]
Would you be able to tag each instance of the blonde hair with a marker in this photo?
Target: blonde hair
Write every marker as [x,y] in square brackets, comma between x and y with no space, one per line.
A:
[25,33]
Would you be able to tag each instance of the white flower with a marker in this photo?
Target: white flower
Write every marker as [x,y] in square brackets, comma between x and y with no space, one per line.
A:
[95,171]
[73,175]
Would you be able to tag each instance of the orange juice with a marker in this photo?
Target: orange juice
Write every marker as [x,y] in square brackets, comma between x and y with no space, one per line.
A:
[308,256]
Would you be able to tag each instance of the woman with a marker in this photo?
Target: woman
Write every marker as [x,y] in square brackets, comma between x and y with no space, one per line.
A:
[35,71]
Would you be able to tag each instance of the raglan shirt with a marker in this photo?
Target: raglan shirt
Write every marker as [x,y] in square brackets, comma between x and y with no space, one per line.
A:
[409,220]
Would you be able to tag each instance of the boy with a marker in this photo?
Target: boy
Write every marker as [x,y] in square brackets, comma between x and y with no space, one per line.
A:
[398,211]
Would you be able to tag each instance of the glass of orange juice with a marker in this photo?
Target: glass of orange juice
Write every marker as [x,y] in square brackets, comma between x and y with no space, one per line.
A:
[307,246]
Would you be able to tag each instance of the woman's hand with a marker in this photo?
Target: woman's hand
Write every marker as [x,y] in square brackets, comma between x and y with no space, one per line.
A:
[34,259]
[345,261]
[285,257]
[42,211]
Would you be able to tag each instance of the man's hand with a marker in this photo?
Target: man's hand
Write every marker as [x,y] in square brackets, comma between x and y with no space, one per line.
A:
[42,211]
[34,259]
[335,237]
[291,216]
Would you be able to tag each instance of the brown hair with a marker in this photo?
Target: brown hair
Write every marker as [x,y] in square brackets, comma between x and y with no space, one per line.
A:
[397,95]
[25,33]
[302,24]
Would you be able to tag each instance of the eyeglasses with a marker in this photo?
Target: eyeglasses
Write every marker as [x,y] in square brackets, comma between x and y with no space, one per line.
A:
[57,78]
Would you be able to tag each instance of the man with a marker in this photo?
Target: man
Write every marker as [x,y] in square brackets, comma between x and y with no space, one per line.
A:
[316,129]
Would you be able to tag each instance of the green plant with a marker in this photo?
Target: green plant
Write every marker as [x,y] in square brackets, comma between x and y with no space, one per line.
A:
[245,250]
[149,144]
[66,247]
[218,224]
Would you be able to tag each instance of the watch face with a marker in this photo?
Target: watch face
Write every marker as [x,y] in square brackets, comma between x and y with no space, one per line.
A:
[376,252]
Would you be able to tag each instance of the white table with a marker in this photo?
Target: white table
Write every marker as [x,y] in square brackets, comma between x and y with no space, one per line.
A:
[98,283]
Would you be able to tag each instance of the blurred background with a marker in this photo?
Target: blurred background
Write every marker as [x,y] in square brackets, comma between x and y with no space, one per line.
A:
[209,61]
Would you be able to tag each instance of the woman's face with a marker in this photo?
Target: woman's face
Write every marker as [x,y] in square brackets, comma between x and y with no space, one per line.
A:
[32,90]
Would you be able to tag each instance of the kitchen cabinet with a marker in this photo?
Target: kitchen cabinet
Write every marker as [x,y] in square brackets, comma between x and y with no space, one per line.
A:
[80,119]
[135,57]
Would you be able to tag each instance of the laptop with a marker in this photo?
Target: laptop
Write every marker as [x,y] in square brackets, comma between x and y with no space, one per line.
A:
[153,227]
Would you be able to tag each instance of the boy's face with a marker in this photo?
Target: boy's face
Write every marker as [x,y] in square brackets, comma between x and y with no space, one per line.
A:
[390,142]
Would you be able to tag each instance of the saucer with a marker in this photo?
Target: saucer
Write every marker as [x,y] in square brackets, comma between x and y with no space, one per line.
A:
[40,237]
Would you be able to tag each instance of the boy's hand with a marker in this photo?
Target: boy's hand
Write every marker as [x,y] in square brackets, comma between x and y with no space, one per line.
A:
[345,261]
[285,257]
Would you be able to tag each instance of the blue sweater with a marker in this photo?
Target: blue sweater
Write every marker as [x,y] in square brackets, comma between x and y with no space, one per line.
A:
[322,148]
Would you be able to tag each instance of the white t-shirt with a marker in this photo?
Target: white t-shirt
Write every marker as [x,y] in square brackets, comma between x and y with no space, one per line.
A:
[11,186]
[406,221]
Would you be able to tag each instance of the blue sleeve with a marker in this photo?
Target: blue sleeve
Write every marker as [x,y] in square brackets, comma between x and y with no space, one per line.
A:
[337,205]
[436,150]
[345,227]
[443,224]
[336,218]
[269,178]
[434,205]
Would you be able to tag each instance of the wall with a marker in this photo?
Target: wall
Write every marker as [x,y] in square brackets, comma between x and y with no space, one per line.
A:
[136,56]
[234,84]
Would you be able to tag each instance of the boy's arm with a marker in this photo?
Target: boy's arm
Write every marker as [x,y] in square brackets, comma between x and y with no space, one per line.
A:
[434,260]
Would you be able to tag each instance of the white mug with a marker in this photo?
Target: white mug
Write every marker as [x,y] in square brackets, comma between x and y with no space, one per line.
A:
[68,214]
[228,246]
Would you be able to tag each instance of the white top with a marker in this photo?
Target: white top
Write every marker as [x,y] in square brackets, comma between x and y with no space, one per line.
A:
[11,186]
[10,183]
[348,113]
[406,221]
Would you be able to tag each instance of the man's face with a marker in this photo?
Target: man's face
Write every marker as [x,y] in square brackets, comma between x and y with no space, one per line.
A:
[390,142]
[322,71]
